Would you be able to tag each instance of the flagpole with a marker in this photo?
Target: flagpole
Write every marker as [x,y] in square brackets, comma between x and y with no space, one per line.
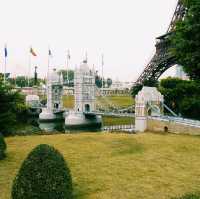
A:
[5,63]
[86,57]
[47,81]
[15,81]
[67,70]
[29,68]
[68,67]
[48,65]
[102,65]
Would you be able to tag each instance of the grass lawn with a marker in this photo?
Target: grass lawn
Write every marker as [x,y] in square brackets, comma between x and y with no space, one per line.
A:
[68,101]
[119,101]
[111,121]
[118,166]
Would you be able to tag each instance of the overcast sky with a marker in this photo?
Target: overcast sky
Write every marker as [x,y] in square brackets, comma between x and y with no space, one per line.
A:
[123,30]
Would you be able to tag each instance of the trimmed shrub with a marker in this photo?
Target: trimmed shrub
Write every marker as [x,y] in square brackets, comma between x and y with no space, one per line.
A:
[44,174]
[2,147]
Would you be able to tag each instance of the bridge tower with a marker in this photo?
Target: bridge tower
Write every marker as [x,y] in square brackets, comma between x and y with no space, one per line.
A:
[84,86]
[148,102]
[83,116]
[54,90]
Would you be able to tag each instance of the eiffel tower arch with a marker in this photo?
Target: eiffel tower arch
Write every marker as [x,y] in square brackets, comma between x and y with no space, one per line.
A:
[162,59]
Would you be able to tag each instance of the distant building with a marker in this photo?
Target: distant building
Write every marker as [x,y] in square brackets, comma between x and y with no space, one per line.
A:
[121,85]
[117,88]
[180,73]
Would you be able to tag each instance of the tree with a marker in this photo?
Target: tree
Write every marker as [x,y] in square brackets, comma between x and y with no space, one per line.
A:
[44,174]
[68,77]
[22,81]
[135,89]
[12,107]
[109,82]
[2,147]
[186,40]
[190,107]
[98,81]
[182,96]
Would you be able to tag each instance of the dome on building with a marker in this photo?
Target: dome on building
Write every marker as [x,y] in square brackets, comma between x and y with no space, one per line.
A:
[84,68]
[54,77]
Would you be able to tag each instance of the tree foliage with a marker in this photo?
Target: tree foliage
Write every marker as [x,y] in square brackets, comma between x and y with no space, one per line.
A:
[135,89]
[44,174]
[98,81]
[2,147]
[68,77]
[12,107]
[182,96]
[22,81]
[186,40]
[109,82]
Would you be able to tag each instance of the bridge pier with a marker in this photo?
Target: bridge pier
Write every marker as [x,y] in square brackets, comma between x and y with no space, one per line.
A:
[148,102]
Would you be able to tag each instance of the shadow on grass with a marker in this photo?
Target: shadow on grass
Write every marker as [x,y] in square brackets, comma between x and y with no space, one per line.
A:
[189,196]
[80,193]
[126,147]
[83,192]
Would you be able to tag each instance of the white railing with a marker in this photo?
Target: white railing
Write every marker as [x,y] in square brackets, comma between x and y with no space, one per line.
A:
[180,120]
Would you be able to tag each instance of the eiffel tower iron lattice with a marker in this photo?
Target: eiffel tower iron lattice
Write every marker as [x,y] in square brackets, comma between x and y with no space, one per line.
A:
[162,59]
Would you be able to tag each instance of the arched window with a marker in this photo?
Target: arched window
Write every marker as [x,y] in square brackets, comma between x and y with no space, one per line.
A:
[56,105]
[166,129]
[87,108]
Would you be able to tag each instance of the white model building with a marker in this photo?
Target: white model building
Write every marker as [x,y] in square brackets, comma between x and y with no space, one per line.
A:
[84,87]
[84,91]
[33,103]
[148,102]
[54,109]
[32,100]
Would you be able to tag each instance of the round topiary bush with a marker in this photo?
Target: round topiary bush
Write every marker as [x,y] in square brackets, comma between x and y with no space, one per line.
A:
[44,174]
[2,147]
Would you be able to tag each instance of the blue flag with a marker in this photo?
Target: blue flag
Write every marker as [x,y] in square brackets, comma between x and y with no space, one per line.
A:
[5,51]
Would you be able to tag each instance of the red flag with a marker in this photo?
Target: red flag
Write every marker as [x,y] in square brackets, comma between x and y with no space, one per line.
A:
[32,52]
